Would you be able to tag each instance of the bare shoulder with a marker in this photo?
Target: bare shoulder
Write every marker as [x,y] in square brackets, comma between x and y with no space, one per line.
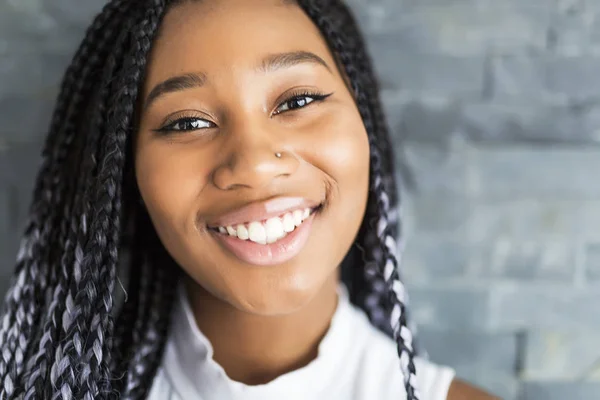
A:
[460,390]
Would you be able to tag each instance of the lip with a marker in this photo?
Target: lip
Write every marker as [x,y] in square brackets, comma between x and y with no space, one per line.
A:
[268,254]
[260,211]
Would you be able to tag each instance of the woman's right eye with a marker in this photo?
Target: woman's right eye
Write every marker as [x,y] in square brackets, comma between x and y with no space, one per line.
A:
[187,124]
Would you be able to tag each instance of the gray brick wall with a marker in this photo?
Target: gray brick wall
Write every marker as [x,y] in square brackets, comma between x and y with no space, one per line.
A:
[495,105]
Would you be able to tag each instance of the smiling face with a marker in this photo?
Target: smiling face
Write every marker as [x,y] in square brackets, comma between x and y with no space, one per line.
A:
[246,118]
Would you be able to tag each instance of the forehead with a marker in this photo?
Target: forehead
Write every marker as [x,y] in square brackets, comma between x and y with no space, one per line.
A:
[213,35]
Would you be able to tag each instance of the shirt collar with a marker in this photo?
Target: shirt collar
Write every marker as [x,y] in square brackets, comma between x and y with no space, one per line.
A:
[190,365]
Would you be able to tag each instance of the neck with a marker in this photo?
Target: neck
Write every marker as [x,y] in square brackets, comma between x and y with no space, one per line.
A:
[255,349]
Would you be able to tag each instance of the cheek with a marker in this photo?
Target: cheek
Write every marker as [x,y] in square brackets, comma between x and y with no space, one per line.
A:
[169,181]
[344,156]
[341,153]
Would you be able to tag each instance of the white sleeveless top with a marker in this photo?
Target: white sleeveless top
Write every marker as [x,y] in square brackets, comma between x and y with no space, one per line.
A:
[355,362]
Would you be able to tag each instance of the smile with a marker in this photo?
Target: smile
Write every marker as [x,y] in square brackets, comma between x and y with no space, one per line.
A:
[270,241]
[270,230]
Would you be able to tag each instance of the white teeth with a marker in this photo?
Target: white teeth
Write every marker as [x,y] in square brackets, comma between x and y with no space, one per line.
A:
[298,217]
[257,233]
[242,232]
[288,223]
[271,230]
[274,228]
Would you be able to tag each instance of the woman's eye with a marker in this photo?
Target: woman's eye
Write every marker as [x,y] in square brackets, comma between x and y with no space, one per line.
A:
[297,102]
[187,124]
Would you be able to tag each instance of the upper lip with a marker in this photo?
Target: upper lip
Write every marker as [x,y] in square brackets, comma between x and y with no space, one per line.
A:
[259,211]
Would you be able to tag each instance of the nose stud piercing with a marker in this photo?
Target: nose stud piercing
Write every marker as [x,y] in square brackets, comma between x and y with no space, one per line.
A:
[278,155]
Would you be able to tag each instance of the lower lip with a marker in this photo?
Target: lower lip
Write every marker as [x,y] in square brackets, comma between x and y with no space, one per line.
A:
[268,254]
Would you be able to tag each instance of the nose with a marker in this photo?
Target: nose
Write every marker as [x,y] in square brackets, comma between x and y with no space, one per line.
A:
[255,158]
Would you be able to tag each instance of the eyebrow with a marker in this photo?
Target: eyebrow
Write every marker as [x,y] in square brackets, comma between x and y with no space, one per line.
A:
[175,84]
[271,63]
[274,62]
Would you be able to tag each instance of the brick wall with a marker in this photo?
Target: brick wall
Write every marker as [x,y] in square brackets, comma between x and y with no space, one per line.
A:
[494,105]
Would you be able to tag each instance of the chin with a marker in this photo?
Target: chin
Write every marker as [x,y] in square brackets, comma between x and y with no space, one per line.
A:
[281,298]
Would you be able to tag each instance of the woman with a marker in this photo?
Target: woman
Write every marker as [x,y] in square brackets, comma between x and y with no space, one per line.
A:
[232,156]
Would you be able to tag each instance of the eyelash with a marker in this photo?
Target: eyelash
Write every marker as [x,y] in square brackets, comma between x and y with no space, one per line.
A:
[172,123]
[314,96]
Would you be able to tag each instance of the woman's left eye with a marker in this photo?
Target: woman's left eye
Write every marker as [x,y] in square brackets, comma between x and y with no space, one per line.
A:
[300,101]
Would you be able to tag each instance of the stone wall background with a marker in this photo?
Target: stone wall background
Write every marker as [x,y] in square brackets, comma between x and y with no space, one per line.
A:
[496,106]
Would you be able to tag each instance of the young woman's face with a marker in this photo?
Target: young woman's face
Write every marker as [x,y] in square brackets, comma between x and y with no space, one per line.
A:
[245,118]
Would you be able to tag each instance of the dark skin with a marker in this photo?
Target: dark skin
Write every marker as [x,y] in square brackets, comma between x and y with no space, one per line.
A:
[229,121]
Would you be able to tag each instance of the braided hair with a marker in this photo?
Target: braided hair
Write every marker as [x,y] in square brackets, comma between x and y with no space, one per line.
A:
[62,334]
